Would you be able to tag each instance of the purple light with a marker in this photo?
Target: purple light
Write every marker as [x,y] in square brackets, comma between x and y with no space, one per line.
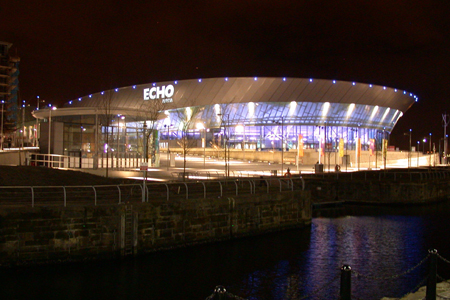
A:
[310,80]
[79,99]
[284,78]
[116,90]
[134,86]
[199,80]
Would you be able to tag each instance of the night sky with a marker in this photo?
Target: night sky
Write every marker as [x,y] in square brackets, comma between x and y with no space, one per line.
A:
[69,49]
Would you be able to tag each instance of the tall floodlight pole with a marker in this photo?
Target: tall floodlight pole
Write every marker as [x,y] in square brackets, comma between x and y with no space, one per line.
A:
[445,124]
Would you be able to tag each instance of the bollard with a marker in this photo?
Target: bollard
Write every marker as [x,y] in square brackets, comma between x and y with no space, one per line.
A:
[220,291]
[431,281]
[346,283]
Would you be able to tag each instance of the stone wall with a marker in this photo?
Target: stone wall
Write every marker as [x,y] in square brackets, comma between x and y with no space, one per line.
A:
[51,234]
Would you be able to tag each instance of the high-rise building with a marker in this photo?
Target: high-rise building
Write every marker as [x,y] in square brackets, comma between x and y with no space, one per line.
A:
[9,87]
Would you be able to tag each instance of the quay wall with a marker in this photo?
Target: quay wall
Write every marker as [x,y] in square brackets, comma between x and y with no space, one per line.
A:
[54,233]
[378,191]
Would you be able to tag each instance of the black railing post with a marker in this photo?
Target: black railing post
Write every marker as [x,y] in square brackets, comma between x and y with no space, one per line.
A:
[346,283]
[220,293]
[431,281]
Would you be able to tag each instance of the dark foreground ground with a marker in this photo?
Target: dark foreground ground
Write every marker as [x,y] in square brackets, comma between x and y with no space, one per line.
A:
[42,176]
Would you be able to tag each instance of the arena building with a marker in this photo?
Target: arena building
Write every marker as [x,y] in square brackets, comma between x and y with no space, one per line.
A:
[253,114]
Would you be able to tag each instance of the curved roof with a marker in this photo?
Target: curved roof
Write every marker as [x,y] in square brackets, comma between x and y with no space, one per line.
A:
[201,92]
[317,101]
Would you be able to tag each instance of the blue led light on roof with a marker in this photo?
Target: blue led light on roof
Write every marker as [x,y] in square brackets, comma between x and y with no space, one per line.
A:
[255,78]
[354,83]
[79,99]
[102,93]
[284,78]
[176,82]
[410,94]
[404,92]
[334,81]
[395,90]
[116,90]
[70,102]
[384,87]
[154,84]
[200,80]
[90,96]
[370,85]
[310,80]
[134,86]
[226,78]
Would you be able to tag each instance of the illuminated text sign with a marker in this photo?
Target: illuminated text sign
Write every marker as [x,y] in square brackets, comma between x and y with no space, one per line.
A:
[164,92]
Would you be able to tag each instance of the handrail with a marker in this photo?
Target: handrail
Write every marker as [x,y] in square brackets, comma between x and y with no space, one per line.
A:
[106,194]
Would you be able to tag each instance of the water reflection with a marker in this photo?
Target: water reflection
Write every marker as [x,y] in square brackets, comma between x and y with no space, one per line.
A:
[376,242]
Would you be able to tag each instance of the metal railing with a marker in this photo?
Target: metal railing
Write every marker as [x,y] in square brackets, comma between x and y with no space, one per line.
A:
[413,175]
[128,193]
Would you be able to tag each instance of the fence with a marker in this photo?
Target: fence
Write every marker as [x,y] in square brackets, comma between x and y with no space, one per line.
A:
[345,275]
[129,193]
[412,175]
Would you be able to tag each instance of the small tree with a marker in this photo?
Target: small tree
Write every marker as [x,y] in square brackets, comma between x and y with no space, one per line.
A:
[150,112]
[186,117]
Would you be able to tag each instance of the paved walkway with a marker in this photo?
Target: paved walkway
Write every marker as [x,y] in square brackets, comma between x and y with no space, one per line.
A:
[215,168]
[442,292]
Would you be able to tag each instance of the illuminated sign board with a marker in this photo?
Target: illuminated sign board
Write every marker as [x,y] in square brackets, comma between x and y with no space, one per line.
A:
[164,93]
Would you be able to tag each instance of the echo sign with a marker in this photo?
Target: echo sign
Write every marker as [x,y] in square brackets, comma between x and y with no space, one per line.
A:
[164,92]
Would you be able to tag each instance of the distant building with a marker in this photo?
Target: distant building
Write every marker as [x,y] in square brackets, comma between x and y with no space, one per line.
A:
[245,112]
[9,88]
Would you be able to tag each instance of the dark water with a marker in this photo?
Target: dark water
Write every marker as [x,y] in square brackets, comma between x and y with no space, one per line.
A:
[376,242]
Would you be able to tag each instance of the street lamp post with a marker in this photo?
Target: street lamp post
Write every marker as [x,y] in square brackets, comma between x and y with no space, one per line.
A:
[418,150]
[201,127]
[168,146]
[282,143]
[1,135]
[50,132]
[225,144]
[409,151]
